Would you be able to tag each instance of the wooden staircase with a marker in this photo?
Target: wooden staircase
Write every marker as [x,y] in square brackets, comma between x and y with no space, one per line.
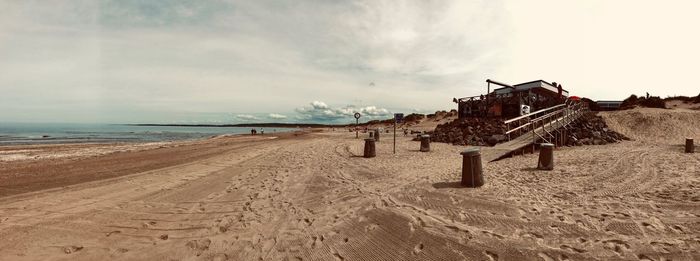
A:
[548,125]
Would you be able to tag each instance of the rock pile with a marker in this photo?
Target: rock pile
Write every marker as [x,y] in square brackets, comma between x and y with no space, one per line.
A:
[591,129]
[470,131]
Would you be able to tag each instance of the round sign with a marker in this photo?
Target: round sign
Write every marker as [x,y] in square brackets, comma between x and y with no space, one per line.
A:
[357,115]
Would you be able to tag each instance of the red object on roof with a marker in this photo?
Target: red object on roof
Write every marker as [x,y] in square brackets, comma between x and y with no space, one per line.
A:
[574,98]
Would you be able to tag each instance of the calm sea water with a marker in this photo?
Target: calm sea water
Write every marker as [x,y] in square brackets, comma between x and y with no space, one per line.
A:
[41,133]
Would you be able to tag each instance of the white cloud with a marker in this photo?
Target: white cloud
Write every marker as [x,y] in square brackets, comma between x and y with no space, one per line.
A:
[320,111]
[319,105]
[246,117]
[374,111]
[276,116]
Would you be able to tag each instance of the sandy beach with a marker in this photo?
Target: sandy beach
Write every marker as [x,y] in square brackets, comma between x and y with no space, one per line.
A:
[312,196]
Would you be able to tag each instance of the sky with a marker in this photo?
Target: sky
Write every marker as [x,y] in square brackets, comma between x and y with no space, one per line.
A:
[220,61]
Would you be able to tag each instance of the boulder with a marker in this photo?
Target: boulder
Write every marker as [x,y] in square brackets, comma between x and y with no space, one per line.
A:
[496,138]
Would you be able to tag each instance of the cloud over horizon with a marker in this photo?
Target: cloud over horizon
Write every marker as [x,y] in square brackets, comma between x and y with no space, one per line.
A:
[320,111]
[246,117]
[276,116]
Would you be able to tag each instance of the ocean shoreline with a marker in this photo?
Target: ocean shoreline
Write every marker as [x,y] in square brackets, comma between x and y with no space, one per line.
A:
[66,133]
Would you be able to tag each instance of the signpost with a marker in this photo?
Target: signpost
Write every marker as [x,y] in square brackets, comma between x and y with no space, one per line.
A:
[357,122]
[398,117]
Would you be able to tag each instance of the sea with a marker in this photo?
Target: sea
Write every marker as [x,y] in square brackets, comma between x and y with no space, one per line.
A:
[59,133]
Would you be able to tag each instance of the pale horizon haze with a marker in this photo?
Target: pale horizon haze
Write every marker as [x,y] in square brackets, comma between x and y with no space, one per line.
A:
[222,61]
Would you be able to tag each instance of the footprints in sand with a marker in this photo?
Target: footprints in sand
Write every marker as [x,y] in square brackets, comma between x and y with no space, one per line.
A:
[545,257]
[72,249]
[533,236]
[616,245]
[338,257]
[316,241]
[491,255]
[418,248]
[572,249]
[662,247]
[371,227]
[296,210]
[219,257]
[491,234]
[199,246]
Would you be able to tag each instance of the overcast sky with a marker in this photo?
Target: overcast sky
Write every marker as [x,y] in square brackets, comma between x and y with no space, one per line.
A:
[237,61]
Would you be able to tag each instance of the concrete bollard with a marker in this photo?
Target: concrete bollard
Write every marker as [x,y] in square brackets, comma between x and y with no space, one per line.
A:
[376,135]
[689,146]
[425,143]
[546,159]
[370,152]
[472,175]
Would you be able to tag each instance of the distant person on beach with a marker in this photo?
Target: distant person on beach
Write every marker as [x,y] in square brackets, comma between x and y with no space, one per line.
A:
[560,90]
[262,132]
[405,132]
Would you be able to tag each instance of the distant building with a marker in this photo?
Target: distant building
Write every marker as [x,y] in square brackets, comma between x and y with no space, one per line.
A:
[509,100]
[609,105]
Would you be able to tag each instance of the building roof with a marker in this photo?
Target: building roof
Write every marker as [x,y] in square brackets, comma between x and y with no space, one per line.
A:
[539,81]
[502,88]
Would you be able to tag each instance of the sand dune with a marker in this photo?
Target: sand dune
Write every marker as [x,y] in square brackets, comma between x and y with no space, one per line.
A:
[313,198]
[652,125]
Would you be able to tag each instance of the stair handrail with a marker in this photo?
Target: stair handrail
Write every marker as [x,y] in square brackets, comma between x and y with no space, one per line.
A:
[568,110]
[534,113]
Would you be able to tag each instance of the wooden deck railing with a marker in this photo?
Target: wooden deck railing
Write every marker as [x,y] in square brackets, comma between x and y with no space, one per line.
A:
[547,120]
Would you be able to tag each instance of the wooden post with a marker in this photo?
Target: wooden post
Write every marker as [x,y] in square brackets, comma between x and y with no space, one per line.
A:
[370,151]
[394,134]
[689,146]
[425,143]
[357,131]
[546,159]
[472,175]
[564,137]
[533,135]
[488,91]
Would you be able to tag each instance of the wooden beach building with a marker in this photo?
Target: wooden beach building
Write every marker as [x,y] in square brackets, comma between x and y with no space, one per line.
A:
[511,100]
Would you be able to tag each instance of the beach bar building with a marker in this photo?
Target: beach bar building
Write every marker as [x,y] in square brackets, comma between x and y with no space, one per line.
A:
[511,100]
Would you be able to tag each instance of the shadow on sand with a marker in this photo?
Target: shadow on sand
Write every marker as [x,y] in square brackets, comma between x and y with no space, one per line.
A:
[442,185]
